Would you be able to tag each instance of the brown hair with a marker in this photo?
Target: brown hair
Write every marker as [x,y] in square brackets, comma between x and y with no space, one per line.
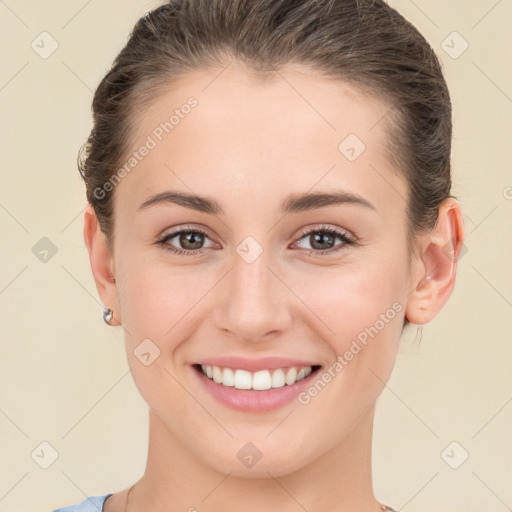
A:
[363,41]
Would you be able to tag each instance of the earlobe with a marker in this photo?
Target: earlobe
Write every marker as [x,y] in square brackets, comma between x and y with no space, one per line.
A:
[102,264]
[434,279]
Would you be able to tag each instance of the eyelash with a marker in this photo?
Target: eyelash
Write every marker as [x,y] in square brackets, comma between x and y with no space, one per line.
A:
[323,229]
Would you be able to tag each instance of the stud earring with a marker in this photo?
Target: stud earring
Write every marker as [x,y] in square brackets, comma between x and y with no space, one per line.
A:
[107,315]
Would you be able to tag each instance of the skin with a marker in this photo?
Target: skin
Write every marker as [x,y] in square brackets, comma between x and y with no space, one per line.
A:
[248,144]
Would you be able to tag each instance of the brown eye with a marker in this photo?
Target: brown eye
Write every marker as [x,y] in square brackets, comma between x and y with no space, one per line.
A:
[322,240]
[188,241]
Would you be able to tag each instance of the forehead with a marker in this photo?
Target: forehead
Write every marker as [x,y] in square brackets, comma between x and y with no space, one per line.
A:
[215,130]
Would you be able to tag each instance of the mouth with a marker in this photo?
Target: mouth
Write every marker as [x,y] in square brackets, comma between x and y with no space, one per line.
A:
[260,380]
[254,384]
[263,390]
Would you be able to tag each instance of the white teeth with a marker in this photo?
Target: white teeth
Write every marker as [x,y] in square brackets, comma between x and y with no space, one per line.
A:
[243,379]
[291,376]
[278,378]
[217,375]
[260,380]
[228,377]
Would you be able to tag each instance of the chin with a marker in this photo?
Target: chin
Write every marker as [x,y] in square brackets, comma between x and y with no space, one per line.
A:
[256,460]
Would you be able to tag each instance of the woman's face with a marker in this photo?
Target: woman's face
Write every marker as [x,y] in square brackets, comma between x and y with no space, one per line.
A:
[267,281]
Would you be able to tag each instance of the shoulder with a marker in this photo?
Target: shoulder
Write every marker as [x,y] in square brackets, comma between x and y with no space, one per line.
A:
[90,504]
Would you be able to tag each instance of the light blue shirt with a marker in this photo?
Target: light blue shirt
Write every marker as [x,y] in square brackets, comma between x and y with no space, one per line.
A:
[95,504]
[90,504]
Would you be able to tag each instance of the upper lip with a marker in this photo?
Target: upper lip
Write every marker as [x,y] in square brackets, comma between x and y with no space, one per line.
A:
[254,365]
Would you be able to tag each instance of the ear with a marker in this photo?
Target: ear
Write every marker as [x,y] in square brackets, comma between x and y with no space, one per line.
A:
[102,264]
[435,268]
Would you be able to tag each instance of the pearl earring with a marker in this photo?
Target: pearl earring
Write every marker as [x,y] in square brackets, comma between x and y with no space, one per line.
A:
[107,315]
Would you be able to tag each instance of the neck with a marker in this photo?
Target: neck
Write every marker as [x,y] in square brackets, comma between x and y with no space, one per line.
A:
[175,479]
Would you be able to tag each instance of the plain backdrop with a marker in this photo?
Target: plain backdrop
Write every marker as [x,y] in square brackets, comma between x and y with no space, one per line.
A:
[65,388]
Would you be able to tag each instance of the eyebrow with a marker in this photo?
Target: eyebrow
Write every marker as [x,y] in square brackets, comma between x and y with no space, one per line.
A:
[293,204]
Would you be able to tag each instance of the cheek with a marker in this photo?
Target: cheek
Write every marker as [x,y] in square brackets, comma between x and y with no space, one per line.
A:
[364,315]
[352,299]
[156,298]
[361,310]
[158,303]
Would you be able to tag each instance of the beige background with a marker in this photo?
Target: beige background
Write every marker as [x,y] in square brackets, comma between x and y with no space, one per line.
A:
[64,379]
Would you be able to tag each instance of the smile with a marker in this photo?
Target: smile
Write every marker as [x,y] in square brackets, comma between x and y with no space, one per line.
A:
[257,391]
[259,381]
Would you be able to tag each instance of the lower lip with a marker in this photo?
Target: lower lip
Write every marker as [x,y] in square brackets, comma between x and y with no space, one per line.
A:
[250,400]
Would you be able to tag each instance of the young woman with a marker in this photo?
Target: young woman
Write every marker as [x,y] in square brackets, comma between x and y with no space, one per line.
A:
[269,186]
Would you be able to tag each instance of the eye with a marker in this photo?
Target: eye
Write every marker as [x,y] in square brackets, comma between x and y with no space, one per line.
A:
[321,240]
[190,239]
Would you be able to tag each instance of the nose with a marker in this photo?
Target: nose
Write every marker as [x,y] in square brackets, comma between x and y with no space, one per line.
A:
[255,303]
